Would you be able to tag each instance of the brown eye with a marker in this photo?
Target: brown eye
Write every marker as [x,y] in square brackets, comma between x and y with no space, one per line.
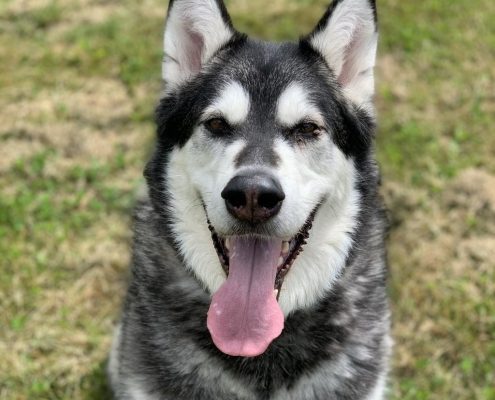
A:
[218,126]
[306,128]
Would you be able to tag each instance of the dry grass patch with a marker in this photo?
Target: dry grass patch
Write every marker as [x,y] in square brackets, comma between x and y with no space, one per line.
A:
[442,250]
[75,125]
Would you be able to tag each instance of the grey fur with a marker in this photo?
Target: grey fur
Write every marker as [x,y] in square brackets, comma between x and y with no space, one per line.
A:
[336,349]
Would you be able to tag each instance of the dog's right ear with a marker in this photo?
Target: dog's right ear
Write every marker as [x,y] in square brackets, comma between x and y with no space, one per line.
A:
[195,30]
[346,37]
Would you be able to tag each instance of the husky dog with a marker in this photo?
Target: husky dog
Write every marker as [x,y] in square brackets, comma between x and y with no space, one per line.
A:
[259,267]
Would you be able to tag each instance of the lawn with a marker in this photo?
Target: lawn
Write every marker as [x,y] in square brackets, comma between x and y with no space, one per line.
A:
[78,84]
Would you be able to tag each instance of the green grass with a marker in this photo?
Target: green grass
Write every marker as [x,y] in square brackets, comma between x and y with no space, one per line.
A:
[78,89]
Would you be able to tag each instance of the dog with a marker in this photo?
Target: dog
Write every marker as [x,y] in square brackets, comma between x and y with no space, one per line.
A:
[259,266]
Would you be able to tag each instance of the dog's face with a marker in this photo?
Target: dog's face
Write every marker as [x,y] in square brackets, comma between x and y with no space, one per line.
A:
[259,146]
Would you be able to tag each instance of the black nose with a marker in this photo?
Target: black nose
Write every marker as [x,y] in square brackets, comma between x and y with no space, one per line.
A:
[253,198]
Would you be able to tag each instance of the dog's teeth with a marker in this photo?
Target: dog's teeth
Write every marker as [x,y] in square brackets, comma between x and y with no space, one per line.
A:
[227,243]
[285,247]
[275,292]
[280,261]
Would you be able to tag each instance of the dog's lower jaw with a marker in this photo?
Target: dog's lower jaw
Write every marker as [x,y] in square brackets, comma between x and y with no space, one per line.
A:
[289,252]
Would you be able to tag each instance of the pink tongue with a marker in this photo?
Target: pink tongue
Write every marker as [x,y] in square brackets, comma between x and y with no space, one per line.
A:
[244,315]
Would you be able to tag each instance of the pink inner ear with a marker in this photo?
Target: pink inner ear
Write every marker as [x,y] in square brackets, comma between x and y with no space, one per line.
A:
[350,67]
[194,51]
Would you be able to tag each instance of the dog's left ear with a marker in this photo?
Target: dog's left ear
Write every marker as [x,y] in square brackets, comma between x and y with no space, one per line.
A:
[347,38]
[195,30]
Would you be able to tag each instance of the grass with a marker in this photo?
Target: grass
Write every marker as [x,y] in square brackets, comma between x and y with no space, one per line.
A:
[76,123]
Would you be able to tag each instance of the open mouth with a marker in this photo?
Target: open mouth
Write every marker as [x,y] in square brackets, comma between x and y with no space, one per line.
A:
[288,254]
[244,315]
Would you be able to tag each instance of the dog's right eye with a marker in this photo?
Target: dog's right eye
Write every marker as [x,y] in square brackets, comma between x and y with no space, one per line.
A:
[218,126]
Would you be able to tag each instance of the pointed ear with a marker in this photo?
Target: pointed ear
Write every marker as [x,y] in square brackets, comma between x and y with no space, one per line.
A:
[347,37]
[195,30]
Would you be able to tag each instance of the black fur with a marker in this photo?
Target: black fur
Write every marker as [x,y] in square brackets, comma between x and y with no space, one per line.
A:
[339,347]
[266,69]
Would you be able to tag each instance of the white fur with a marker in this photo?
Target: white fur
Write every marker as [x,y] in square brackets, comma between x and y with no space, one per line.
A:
[378,392]
[348,43]
[305,182]
[294,106]
[135,390]
[196,169]
[232,103]
[195,30]
[308,174]
[304,388]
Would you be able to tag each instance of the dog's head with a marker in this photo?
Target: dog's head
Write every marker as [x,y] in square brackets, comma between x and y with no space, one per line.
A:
[258,155]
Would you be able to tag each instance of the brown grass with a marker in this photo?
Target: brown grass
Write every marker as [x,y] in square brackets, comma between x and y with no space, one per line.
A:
[75,128]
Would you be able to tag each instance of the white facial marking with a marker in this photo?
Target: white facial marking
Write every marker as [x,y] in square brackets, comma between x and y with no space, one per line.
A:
[232,103]
[306,182]
[309,174]
[294,106]
[199,172]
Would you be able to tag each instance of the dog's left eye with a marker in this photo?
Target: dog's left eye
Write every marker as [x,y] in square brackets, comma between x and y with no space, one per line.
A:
[306,128]
[218,126]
